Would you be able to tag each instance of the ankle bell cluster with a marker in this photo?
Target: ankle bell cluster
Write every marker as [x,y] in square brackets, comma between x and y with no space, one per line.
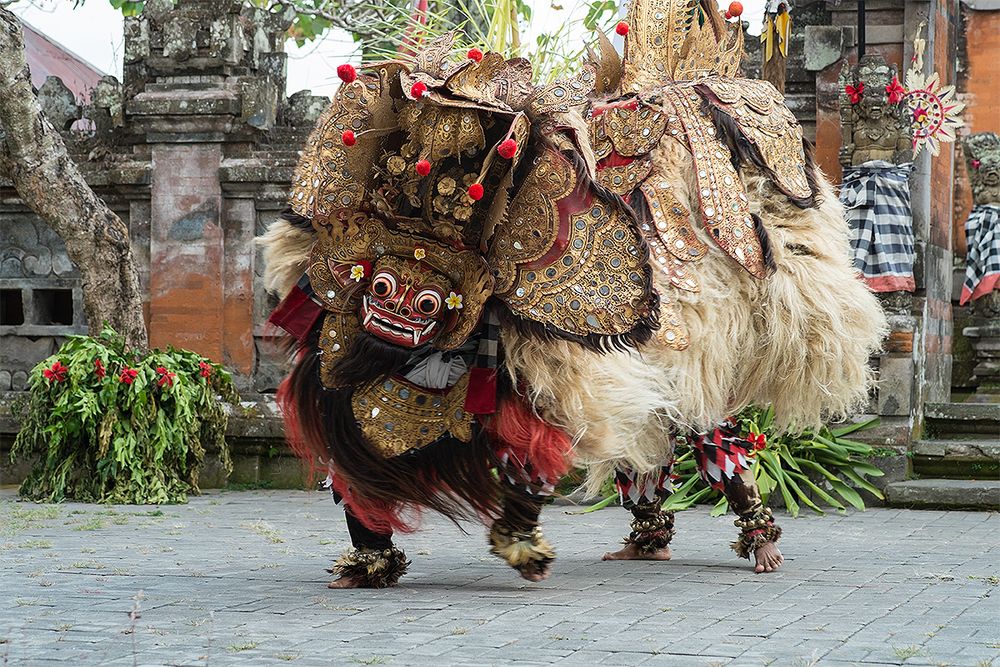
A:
[527,551]
[652,529]
[756,529]
[372,568]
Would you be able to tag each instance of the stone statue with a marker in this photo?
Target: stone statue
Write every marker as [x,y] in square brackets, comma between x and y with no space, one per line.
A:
[877,157]
[982,227]
[982,158]
[871,116]
[982,259]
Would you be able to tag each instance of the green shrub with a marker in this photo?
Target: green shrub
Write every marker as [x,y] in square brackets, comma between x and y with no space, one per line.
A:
[105,424]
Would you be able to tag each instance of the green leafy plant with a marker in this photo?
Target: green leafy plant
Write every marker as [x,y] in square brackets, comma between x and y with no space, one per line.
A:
[106,424]
[811,468]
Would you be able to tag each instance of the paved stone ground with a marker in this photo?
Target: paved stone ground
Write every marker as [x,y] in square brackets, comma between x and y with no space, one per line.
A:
[238,577]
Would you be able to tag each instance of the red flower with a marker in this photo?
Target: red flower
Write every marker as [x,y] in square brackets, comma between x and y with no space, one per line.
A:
[348,138]
[206,369]
[475,54]
[758,440]
[56,373]
[975,164]
[476,191]
[99,369]
[855,93]
[919,115]
[896,91]
[128,375]
[728,15]
[423,167]
[622,28]
[418,90]
[166,377]
[507,148]
[735,9]
[347,73]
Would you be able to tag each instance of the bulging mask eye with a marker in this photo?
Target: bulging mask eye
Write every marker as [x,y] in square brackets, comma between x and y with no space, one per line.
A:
[383,284]
[428,303]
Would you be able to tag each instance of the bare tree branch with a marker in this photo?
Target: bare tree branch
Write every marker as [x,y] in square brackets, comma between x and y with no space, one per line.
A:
[47,179]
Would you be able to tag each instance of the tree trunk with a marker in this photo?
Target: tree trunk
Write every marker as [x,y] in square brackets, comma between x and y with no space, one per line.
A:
[33,154]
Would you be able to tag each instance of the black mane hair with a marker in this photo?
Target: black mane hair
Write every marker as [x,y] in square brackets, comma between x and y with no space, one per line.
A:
[448,476]
[745,152]
[369,359]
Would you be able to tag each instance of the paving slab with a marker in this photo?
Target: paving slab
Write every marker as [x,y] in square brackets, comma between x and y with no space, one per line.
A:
[238,578]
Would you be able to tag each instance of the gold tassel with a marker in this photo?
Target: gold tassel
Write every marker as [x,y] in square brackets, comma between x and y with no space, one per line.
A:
[783,24]
[523,551]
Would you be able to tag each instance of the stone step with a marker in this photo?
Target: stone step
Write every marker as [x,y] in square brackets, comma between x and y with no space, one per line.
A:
[968,458]
[950,494]
[950,419]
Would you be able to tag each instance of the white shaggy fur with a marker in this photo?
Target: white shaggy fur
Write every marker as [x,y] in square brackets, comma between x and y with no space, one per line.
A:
[286,254]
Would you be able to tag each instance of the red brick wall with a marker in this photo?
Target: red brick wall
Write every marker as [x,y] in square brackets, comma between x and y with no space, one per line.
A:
[981,92]
[942,166]
[186,249]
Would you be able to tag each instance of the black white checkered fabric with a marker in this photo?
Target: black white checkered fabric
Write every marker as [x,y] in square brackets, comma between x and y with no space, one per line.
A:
[982,262]
[877,198]
[643,488]
[522,475]
[489,340]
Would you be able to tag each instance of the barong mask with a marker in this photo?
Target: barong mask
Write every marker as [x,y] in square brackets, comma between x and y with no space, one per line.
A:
[406,302]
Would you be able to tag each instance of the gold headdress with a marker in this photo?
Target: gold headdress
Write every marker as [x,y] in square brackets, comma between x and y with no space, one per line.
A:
[678,40]
[421,162]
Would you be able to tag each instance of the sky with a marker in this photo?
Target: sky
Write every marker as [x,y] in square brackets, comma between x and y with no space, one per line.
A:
[94,32]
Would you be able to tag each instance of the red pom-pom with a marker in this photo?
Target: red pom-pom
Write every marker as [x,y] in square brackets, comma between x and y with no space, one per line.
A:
[423,167]
[507,148]
[475,54]
[728,15]
[348,138]
[622,28]
[347,73]
[735,9]
[418,90]
[476,191]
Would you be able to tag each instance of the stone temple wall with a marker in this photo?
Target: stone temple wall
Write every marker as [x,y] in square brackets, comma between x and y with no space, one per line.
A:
[194,150]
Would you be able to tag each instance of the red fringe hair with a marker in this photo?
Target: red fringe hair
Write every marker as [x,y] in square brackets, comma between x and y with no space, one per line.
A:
[518,428]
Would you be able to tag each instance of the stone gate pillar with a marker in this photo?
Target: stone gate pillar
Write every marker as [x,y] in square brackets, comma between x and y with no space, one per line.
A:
[204,83]
[915,368]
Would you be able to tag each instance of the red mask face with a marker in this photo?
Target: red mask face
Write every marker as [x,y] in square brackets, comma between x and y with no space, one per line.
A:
[405,303]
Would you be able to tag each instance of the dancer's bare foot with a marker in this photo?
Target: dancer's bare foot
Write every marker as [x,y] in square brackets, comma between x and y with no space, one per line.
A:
[768,558]
[632,552]
[345,582]
[540,572]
